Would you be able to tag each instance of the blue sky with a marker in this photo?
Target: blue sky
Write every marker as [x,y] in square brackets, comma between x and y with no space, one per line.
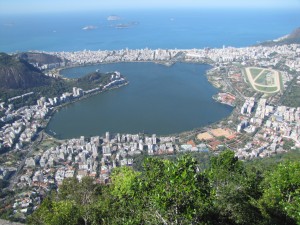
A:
[29,6]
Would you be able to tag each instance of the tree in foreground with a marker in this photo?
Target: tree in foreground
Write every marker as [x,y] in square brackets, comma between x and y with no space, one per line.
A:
[179,192]
[175,192]
[281,194]
[55,213]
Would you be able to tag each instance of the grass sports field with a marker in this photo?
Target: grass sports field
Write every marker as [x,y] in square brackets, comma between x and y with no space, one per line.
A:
[264,80]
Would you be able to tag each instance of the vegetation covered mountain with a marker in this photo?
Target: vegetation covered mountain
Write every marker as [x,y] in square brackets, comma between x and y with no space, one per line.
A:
[228,191]
[94,78]
[292,38]
[39,58]
[18,74]
[18,77]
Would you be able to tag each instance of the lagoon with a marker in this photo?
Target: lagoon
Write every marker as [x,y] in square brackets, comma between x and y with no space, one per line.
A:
[159,99]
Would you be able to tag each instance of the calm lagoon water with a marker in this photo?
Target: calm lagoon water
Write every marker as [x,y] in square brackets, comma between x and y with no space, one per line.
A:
[158,99]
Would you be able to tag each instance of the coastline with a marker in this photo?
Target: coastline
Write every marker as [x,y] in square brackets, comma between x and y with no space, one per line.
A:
[167,57]
[65,131]
[226,74]
[57,108]
[165,63]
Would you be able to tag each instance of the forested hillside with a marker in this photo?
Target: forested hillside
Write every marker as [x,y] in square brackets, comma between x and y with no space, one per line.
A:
[18,74]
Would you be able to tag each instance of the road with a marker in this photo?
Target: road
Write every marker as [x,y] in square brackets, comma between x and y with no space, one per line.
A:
[228,83]
[30,148]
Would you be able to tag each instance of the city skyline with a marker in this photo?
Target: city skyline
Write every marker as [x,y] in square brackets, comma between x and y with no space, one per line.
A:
[34,6]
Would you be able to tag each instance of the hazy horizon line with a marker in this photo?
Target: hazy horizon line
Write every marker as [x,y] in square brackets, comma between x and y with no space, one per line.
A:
[115,10]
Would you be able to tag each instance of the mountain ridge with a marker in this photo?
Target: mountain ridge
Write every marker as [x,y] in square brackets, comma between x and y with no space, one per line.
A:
[292,38]
[16,73]
[38,58]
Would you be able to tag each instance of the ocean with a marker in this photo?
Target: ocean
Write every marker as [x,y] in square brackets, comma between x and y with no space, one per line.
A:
[159,99]
[166,29]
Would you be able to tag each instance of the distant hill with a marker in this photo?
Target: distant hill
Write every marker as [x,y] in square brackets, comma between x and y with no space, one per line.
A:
[292,38]
[295,34]
[18,77]
[95,78]
[39,58]
[16,73]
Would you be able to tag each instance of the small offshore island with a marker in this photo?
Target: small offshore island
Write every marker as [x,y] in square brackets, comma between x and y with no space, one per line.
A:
[262,82]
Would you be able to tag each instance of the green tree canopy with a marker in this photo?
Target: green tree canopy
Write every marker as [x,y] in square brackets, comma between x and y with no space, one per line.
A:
[179,192]
[281,194]
[55,213]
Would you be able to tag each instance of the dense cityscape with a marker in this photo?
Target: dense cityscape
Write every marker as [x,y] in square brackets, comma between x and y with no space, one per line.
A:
[261,126]
[149,112]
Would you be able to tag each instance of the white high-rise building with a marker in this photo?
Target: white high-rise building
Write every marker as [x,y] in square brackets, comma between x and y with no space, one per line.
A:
[154,139]
[107,136]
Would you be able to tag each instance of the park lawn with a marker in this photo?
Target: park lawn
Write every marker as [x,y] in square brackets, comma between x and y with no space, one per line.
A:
[266,89]
[46,144]
[262,79]
[254,72]
[292,98]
